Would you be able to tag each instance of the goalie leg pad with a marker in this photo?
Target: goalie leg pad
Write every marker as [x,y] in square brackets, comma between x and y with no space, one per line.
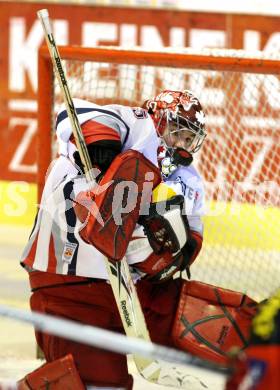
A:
[119,204]
[211,320]
[59,374]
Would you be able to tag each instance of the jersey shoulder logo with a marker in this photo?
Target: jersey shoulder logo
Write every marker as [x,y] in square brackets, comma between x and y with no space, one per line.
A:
[140,113]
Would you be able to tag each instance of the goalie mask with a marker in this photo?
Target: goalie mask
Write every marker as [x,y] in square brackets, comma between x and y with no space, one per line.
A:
[179,120]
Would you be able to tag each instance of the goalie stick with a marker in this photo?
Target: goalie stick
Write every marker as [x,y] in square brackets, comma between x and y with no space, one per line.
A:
[119,274]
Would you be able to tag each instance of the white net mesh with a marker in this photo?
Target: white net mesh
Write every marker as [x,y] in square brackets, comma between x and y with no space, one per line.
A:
[239,160]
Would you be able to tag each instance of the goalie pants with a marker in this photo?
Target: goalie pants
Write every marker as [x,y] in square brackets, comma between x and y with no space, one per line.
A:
[92,302]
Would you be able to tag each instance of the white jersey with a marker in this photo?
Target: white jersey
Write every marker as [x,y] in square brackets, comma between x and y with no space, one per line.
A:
[187,181]
[55,244]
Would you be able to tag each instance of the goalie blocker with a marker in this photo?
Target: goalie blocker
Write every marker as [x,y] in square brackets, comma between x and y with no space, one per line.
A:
[112,209]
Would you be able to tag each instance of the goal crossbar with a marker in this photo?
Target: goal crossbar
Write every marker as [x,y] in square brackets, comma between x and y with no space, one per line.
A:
[167,59]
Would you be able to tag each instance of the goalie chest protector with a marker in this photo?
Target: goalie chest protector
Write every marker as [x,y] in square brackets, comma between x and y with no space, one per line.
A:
[210,321]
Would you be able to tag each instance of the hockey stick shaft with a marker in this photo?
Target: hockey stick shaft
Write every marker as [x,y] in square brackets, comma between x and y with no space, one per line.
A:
[132,316]
[43,15]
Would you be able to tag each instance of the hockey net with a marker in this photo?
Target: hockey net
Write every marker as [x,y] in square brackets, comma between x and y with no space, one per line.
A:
[240,158]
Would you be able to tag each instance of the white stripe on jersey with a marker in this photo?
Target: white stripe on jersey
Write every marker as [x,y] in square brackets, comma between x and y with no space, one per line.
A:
[44,235]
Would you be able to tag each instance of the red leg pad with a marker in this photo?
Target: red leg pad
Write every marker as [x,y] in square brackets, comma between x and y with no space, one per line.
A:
[56,375]
[211,320]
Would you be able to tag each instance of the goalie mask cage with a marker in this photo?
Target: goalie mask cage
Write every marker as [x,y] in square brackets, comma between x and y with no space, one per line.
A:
[239,161]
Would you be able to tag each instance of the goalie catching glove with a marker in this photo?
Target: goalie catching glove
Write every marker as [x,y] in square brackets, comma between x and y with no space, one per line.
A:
[166,226]
[166,229]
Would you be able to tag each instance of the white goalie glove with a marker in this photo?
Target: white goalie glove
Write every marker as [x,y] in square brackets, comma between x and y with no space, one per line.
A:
[166,233]
[166,226]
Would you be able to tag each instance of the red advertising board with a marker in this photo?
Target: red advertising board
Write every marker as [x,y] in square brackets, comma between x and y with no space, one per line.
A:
[86,25]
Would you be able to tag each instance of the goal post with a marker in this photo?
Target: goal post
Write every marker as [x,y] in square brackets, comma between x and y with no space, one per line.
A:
[239,161]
